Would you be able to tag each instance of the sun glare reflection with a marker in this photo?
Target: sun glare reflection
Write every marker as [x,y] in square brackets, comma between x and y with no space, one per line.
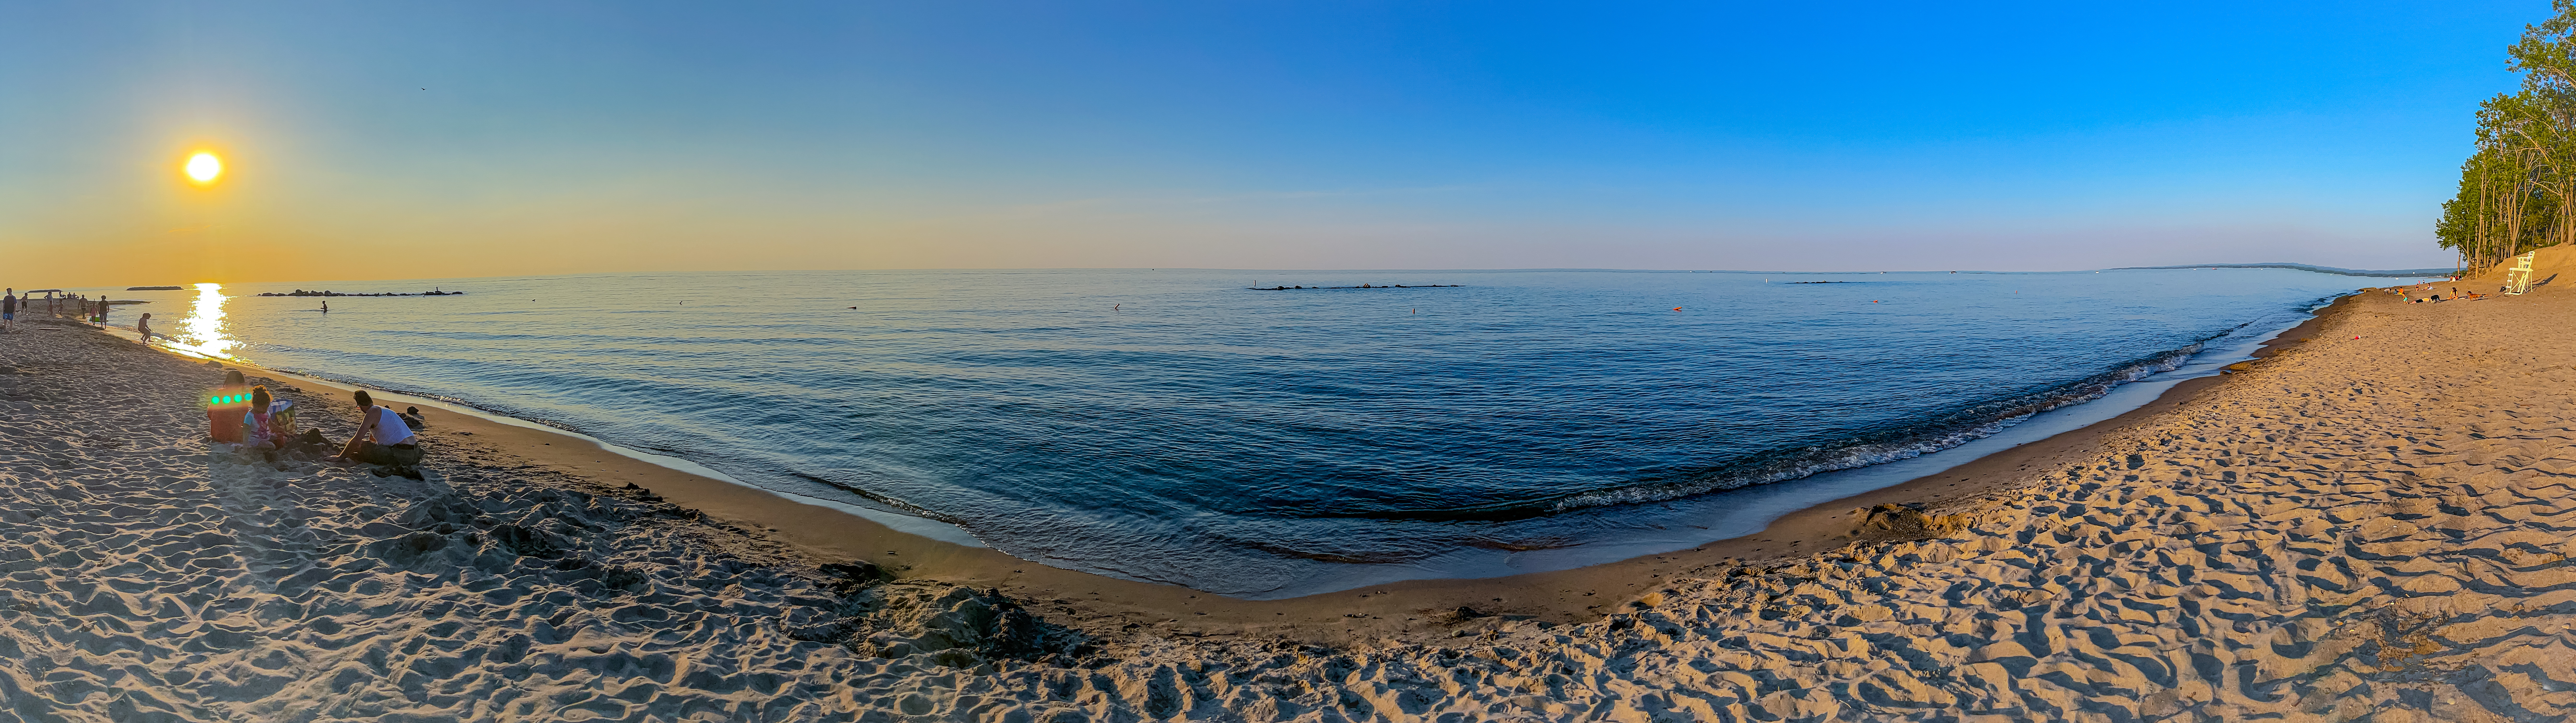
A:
[202,333]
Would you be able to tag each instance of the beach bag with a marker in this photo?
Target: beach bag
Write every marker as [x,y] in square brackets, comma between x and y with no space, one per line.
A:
[281,418]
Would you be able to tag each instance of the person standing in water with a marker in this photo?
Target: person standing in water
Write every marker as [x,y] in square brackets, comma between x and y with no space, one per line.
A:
[326,306]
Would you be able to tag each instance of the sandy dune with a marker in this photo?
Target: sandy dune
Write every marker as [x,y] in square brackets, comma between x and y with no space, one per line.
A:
[2360,528]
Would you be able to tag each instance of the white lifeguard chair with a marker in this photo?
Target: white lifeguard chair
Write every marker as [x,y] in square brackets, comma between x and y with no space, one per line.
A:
[2518,280]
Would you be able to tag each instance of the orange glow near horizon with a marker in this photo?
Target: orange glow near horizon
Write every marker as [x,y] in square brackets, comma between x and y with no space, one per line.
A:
[204,168]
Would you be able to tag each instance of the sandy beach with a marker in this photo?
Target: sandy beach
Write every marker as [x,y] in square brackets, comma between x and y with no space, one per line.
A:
[2373,521]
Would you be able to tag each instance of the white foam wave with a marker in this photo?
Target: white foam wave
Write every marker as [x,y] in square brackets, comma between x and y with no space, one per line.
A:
[2007,415]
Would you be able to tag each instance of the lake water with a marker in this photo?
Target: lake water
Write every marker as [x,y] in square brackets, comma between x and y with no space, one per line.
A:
[1178,426]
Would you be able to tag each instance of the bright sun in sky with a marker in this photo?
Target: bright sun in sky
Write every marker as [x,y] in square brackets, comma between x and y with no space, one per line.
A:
[204,167]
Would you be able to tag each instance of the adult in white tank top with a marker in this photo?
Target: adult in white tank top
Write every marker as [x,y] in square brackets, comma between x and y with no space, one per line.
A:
[382,437]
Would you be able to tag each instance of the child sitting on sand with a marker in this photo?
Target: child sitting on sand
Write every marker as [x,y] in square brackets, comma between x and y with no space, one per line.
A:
[257,428]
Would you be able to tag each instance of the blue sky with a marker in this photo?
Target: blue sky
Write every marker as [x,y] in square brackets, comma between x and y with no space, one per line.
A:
[569,136]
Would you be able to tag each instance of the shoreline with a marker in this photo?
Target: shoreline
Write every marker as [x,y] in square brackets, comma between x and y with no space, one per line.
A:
[2260,549]
[1405,611]
[1407,547]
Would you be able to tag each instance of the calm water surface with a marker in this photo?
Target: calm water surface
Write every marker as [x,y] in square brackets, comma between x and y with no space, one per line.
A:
[1177,426]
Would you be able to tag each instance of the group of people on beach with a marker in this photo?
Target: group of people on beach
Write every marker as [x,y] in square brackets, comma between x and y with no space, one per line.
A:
[93,310]
[254,421]
[2411,298]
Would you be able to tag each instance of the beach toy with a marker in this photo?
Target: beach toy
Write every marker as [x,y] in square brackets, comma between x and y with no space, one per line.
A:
[1677,308]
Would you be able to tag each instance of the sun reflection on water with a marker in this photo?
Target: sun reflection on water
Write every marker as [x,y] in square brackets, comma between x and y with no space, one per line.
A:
[202,333]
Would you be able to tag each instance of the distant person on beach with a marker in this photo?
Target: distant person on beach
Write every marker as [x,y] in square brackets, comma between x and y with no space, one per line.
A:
[382,438]
[8,309]
[411,416]
[143,328]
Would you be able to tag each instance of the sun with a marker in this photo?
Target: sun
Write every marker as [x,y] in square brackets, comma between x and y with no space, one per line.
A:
[204,167]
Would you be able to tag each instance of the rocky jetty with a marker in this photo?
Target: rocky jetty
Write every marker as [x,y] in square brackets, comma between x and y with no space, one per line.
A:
[302,292]
[1361,286]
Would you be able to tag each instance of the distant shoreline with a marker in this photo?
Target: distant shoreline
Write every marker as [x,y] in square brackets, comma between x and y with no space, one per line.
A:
[2387,274]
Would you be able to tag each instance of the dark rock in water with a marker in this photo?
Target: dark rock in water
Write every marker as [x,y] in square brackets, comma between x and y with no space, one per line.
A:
[1361,286]
[302,292]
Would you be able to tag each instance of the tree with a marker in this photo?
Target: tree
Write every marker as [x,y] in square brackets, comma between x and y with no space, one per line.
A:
[2517,190]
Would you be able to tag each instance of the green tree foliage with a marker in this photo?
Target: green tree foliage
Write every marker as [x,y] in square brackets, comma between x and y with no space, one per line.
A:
[2518,191]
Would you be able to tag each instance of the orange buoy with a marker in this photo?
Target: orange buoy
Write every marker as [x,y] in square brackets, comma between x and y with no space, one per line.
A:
[1677,308]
